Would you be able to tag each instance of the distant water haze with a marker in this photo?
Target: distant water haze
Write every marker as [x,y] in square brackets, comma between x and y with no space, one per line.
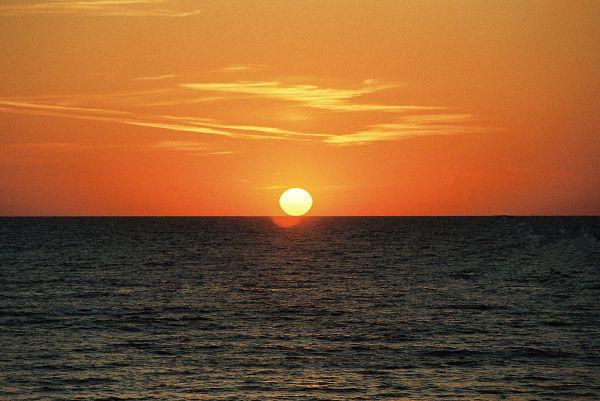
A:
[322,309]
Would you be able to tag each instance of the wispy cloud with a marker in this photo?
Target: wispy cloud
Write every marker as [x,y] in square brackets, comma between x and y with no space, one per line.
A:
[175,101]
[189,124]
[270,130]
[155,77]
[126,8]
[165,122]
[410,127]
[181,127]
[243,67]
[165,96]
[402,127]
[313,96]
[399,121]
[182,145]
[192,148]
[56,107]
[50,110]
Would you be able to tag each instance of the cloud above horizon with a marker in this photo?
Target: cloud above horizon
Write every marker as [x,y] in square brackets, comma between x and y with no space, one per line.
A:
[155,77]
[396,123]
[193,148]
[243,68]
[124,8]
[165,122]
[307,95]
[410,127]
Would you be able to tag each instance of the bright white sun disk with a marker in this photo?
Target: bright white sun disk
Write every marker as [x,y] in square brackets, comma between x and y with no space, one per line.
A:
[295,201]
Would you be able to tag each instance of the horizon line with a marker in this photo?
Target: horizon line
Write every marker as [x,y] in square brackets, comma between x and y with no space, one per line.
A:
[295,217]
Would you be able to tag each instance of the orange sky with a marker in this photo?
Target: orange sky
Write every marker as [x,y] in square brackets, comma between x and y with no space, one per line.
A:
[167,107]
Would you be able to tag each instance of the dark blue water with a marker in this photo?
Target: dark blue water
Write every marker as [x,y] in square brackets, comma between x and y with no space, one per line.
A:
[331,309]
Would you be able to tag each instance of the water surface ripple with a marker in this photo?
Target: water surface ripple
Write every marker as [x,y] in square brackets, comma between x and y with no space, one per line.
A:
[331,309]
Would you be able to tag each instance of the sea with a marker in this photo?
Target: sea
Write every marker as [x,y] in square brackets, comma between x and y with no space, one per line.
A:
[330,308]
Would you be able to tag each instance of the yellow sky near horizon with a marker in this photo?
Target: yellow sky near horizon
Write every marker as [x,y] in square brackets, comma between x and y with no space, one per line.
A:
[167,107]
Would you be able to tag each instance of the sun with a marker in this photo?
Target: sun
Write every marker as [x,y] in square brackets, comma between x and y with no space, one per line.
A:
[295,201]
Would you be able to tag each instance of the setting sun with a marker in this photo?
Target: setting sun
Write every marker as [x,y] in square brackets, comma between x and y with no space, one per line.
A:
[285,199]
[295,201]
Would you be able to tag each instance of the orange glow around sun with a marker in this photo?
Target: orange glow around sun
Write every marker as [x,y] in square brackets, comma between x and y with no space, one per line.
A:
[181,107]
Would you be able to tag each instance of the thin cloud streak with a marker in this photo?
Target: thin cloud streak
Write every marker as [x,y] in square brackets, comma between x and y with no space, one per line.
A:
[171,123]
[155,77]
[236,131]
[410,127]
[182,145]
[271,130]
[167,96]
[191,148]
[54,107]
[312,96]
[404,127]
[243,68]
[183,101]
[199,129]
[124,8]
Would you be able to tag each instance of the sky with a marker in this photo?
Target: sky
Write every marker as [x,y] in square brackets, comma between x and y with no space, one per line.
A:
[176,107]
